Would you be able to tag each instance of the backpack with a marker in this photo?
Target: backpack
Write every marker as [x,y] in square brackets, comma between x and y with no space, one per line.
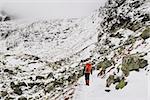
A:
[88,67]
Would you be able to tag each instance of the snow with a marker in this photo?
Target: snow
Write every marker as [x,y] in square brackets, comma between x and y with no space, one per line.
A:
[68,41]
[137,89]
[65,38]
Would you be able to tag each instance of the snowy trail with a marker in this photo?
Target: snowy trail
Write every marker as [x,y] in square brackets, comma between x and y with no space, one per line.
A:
[96,90]
[91,92]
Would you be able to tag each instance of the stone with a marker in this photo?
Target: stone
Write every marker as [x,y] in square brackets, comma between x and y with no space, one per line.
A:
[121,84]
[22,98]
[7,18]
[109,80]
[17,90]
[40,77]
[50,75]
[104,64]
[49,87]
[9,98]
[130,40]
[4,93]
[12,85]
[8,71]
[135,4]
[131,63]
[35,84]
[22,84]
[107,90]
[146,33]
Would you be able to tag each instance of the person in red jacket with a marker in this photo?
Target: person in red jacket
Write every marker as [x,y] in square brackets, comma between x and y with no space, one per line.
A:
[87,70]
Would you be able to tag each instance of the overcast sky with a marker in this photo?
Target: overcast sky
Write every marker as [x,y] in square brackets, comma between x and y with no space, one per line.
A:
[50,8]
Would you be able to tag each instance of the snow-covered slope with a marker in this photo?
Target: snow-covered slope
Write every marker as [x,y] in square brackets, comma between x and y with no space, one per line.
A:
[122,40]
[51,40]
[44,59]
[38,58]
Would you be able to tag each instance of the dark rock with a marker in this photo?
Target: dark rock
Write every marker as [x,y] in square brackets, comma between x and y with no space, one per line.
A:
[121,84]
[17,90]
[35,84]
[12,85]
[31,78]
[131,63]
[49,87]
[135,4]
[4,93]
[118,35]
[7,18]
[107,90]
[109,80]
[58,82]
[8,71]
[120,2]
[104,64]
[130,40]
[22,84]
[9,98]
[40,77]
[66,98]
[36,58]
[22,98]
[146,33]
[116,80]
[50,75]
[146,18]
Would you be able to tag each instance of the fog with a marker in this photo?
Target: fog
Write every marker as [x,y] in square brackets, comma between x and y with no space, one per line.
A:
[50,8]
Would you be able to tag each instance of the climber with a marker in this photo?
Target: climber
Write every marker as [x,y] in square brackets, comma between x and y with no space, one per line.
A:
[87,70]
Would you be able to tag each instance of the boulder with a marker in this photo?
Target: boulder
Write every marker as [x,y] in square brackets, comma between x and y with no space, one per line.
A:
[49,87]
[104,64]
[22,84]
[146,33]
[130,40]
[22,98]
[17,90]
[110,80]
[4,93]
[8,71]
[121,84]
[131,63]
[50,75]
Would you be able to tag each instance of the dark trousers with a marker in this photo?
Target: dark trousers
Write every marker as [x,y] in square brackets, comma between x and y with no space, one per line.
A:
[87,78]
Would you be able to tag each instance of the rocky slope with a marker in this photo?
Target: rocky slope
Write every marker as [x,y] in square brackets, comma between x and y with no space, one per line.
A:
[42,59]
[123,40]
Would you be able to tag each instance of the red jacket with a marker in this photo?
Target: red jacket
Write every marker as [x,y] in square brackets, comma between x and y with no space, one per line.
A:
[88,68]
